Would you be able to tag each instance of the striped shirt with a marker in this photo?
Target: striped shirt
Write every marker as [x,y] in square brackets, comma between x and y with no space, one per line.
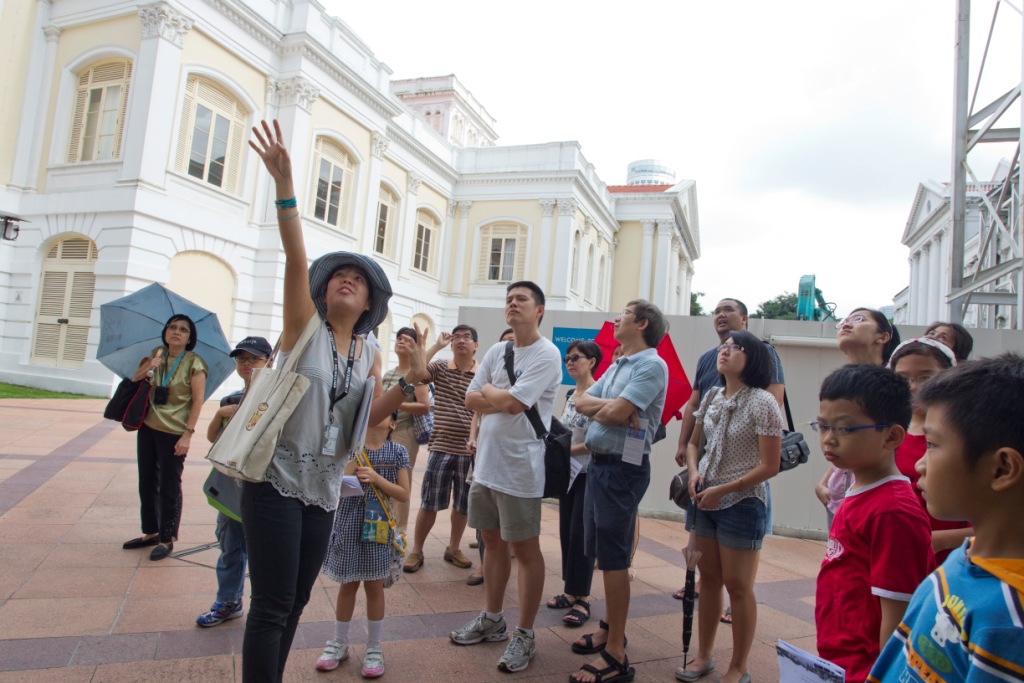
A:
[451,418]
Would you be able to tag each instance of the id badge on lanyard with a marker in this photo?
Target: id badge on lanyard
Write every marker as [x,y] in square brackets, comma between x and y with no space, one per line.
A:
[332,430]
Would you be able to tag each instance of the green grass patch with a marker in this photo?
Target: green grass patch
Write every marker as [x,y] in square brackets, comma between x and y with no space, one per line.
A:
[15,391]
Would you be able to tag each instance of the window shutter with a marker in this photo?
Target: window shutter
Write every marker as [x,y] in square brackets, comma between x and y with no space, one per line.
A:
[483,265]
[124,109]
[520,266]
[188,107]
[74,148]
[314,177]
[51,307]
[235,151]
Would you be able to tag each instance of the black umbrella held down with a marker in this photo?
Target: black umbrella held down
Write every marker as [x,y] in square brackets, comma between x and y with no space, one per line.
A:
[690,556]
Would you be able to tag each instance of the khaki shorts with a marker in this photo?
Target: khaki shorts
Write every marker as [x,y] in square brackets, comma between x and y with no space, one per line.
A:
[517,518]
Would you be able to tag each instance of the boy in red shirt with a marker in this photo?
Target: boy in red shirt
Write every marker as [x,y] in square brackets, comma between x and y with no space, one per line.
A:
[879,546]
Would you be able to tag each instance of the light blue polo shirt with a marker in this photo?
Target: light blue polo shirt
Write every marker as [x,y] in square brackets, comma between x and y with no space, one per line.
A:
[642,380]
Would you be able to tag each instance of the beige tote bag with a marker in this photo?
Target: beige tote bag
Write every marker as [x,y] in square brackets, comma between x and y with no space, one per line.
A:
[246,447]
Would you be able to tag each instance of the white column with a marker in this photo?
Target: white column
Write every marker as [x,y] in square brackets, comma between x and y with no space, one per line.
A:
[936,265]
[562,251]
[646,263]
[689,289]
[911,292]
[449,251]
[666,230]
[293,98]
[153,109]
[462,241]
[941,245]
[407,235]
[672,300]
[378,146]
[547,207]
[38,85]
[930,284]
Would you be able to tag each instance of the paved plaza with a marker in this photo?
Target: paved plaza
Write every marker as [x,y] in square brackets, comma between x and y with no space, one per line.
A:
[76,608]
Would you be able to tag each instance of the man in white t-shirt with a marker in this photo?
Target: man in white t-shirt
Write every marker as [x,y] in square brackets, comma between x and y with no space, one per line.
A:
[508,477]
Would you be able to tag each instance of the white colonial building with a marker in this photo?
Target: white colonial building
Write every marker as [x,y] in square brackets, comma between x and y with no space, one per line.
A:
[928,235]
[123,149]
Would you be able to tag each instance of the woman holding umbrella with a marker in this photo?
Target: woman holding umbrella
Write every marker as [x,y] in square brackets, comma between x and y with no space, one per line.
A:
[175,400]
[288,517]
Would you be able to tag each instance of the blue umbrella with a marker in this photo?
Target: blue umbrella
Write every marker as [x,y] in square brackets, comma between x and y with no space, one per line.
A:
[131,327]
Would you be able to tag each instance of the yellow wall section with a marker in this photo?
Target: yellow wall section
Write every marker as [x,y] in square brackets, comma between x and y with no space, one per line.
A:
[199,49]
[16,35]
[208,282]
[124,32]
[625,278]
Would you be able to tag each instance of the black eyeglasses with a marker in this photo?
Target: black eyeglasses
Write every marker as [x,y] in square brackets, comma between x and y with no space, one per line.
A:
[823,428]
[574,357]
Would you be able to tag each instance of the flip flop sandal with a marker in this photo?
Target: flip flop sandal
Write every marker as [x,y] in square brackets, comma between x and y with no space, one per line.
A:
[590,648]
[620,672]
[727,616]
[577,617]
[681,594]
[559,602]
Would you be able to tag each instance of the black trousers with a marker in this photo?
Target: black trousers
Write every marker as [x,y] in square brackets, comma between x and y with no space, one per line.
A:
[159,483]
[577,568]
[287,541]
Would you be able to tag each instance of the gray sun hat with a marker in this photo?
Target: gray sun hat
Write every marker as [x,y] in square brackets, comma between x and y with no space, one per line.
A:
[380,288]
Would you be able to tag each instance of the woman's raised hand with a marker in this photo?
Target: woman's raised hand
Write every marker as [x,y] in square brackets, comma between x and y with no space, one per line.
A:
[271,149]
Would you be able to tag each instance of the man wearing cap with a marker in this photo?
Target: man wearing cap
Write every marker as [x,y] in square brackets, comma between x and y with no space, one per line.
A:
[508,478]
[249,354]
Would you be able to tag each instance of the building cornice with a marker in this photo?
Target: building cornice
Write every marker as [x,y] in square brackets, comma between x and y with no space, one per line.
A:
[400,137]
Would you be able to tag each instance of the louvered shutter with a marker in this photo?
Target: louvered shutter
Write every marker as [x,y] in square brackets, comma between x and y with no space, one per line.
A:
[67,286]
[188,108]
[124,109]
[77,123]
[520,266]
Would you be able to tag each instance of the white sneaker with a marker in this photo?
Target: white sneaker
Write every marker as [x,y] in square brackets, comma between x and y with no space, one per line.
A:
[479,630]
[519,652]
[335,652]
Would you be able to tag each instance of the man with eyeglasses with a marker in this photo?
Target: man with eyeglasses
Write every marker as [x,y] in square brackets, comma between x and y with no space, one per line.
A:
[250,353]
[449,456]
[730,315]
[625,408]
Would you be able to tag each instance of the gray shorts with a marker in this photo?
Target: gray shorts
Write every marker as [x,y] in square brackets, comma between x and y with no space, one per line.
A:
[517,518]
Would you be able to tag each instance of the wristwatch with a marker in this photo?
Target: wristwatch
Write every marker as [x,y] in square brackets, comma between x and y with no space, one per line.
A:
[407,389]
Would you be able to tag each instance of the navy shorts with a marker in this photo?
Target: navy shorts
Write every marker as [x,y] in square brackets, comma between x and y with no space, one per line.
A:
[614,490]
[739,527]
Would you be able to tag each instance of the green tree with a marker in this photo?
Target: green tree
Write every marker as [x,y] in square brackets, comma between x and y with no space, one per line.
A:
[782,307]
[695,307]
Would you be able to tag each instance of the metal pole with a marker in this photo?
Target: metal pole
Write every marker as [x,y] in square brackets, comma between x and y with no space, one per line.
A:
[1019,204]
[958,177]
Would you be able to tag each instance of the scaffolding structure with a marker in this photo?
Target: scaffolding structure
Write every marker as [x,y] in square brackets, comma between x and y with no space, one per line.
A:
[995,279]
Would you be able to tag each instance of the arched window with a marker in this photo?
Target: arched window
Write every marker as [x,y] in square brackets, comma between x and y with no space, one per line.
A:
[211,135]
[101,102]
[208,281]
[502,255]
[425,323]
[66,286]
[426,242]
[330,184]
[590,273]
[387,208]
[576,261]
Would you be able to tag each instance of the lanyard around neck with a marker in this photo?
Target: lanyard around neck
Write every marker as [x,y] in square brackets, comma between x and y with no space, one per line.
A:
[169,375]
[348,369]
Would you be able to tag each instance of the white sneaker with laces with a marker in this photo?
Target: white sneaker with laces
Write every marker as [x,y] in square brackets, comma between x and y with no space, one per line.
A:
[519,652]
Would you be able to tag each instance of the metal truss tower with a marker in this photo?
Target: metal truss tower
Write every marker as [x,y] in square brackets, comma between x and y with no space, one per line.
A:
[996,278]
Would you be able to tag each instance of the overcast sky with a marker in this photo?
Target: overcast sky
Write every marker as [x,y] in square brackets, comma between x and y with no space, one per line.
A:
[806,125]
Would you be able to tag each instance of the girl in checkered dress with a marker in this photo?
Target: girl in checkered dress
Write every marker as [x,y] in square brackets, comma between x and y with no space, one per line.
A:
[350,560]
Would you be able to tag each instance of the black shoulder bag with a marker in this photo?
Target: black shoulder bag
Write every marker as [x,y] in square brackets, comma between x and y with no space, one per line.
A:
[794,448]
[557,440]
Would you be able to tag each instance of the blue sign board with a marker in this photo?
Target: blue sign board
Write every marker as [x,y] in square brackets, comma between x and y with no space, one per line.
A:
[563,336]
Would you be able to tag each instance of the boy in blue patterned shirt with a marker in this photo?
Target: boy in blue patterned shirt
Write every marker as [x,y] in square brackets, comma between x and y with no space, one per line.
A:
[966,620]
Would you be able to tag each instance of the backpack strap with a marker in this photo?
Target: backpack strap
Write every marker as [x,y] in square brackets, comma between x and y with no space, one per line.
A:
[531,413]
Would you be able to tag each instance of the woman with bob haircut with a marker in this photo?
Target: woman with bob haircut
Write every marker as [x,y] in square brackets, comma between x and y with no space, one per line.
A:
[175,401]
[288,517]
[581,358]
[744,443]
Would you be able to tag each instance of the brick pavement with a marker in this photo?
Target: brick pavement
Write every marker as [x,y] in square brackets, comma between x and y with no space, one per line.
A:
[75,607]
